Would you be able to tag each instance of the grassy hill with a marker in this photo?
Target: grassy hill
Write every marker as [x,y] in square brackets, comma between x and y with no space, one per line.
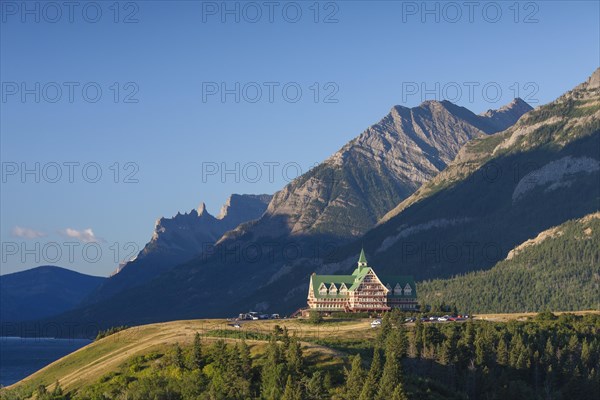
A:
[336,359]
[88,364]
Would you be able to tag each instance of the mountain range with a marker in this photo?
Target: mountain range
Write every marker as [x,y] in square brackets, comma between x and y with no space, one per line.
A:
[329,206]
[499,191]
[433,191]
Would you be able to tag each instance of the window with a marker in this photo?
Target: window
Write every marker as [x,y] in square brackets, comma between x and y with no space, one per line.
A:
[407,290]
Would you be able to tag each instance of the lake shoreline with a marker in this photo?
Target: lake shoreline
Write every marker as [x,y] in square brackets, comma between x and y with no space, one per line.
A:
[23,356]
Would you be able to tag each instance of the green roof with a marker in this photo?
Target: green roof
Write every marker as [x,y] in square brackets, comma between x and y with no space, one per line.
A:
[362,258]
[354,280]
[317,280]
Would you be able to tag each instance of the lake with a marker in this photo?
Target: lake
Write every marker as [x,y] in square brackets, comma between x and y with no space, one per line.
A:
[20,357]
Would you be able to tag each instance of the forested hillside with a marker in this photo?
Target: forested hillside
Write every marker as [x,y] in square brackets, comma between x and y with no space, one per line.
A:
[558,270]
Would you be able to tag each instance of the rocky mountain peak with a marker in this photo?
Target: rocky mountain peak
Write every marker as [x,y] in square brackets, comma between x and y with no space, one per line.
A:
[516,102]
[239,207]
[516,105]
[201,209]
[199,223]
[378,169]
[586,91]
[506,116]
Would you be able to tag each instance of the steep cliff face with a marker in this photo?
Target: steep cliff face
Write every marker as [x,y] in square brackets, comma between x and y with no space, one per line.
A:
[241,208]
[180,238]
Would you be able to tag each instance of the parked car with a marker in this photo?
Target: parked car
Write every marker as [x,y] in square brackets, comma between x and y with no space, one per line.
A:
[442,319]
[376,323]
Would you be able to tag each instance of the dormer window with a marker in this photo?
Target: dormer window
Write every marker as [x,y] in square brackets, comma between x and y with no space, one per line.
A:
[397,290]
[322,289]
[407,290]
[333,289]
[343,289]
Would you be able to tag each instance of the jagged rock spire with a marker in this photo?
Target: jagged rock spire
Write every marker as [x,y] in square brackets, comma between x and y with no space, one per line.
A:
[201,208]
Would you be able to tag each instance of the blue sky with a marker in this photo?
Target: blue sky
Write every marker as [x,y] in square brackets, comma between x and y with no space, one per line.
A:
[161,120]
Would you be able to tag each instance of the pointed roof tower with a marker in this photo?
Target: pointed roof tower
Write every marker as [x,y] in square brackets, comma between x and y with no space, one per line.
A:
[362,259]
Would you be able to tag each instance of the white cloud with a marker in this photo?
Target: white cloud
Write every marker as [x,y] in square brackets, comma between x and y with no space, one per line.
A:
[86,235]
[27,233]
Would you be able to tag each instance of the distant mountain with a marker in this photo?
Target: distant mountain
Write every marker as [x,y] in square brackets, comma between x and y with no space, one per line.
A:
[558,270]
[506,116]
[328,206]
[43,292]
[179,239]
